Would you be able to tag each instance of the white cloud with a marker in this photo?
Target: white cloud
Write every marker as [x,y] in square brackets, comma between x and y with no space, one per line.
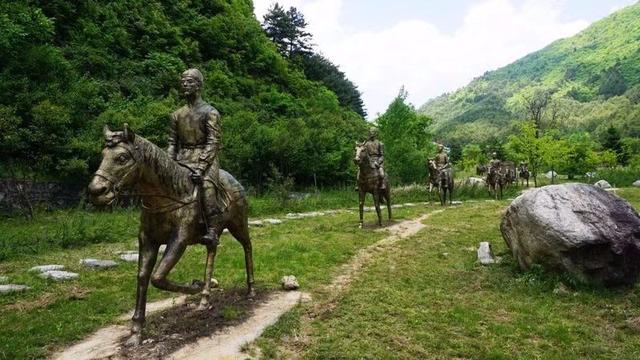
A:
[427,61]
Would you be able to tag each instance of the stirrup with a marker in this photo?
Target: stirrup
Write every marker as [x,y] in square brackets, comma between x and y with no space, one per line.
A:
[210,238]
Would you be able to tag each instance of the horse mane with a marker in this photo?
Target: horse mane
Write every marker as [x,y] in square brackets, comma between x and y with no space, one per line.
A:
[170,173]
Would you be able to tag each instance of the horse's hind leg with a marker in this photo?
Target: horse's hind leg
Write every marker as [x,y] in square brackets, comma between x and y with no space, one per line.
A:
[362,195]
[376,203]
[241,233]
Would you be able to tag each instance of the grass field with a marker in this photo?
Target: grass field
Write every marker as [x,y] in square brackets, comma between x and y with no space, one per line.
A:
[425,298]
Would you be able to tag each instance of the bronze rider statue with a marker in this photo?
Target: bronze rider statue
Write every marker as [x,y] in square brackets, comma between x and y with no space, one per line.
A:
[375,151]
[194,141]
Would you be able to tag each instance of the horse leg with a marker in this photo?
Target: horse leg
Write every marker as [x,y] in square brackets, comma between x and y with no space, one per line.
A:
[171,257]
[208,274]
[376,203]
[387,196]
[241,233]
[362,196]
[148,254]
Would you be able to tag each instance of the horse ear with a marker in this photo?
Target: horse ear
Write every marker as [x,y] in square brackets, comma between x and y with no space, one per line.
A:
[106,131]
[128,134]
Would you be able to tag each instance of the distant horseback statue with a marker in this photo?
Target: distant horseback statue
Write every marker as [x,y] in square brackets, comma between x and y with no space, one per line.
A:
[371,176]
[510,173]
[186,198]
[523,173]
[441,175]
[496,177]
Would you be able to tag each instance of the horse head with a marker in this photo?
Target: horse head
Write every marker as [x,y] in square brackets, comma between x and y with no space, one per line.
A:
[118,169]
[361,156]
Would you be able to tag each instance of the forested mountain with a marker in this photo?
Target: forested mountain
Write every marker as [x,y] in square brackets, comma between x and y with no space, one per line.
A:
[589,82]
[68,67]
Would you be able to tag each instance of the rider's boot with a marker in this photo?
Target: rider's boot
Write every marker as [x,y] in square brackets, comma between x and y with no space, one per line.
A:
[214,218]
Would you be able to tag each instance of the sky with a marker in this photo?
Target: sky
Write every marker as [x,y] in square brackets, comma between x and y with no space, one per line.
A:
[431,47]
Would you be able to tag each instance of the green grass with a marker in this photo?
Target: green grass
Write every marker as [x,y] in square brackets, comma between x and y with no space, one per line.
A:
[414,302]
[51,315]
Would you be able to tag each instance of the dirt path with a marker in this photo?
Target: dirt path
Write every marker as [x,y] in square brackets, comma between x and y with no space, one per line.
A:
[227,342]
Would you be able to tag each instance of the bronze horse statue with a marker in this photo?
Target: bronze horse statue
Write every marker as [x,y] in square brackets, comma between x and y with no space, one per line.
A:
[170,215]
[369,182]
[442,180]
[496,181]
[524,173]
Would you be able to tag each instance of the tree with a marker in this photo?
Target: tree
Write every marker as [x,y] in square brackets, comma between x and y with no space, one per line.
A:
[287,30]
[317,67]
[612,83]
[407,140]
[581,157]
[611,142]
[472,155]
[525,146]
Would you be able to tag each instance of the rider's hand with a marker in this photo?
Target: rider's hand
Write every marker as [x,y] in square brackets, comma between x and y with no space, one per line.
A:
[196,177]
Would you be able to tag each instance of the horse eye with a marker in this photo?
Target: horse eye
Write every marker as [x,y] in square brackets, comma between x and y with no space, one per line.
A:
[123,158]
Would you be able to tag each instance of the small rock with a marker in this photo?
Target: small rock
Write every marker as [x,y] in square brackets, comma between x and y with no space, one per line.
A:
[99,264]
[485,256]
[129,256]
[147,341]
[561,289]
[289,283]
[44,268]
[636,183]
[257,223]
[551,174]
[58,275]
[444,255]
[603,184]
[11,288]
[475,181]
[3,279]
[273,221]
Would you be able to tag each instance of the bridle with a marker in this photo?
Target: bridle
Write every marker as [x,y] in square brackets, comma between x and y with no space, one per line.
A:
[115,185]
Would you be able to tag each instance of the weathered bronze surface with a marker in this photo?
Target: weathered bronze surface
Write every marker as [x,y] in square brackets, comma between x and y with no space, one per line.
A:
[496,178]
[523,173]
[441,175]
[183,200]
[371,177]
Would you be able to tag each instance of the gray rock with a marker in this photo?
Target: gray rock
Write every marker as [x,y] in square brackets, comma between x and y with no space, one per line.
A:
[11,288]
[129,256]
[58,275]
[256,223]
[99,264]
[576,229]
[475,181]
[43,268]
[603,184]
[3,279]
[551,174]
[636,183]
[289,282]
[485,255]
[272,221]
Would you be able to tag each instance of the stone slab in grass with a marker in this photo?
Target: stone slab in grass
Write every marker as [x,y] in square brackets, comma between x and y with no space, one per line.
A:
[44,268]
[12,288]
[485,255]
[99,264]
[272,221]
[129,256]
[58,275]
[3,279]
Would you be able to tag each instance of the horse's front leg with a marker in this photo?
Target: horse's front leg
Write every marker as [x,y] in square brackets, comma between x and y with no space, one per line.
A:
[362,195]
[208,274]
[148,253]
[171,257]
[376,203]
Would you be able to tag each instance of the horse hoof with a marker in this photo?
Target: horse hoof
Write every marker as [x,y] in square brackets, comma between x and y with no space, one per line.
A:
[133,340]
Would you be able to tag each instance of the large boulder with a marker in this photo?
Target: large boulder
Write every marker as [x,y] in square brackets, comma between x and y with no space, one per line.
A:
[636,183]
[475,181]
[577,229]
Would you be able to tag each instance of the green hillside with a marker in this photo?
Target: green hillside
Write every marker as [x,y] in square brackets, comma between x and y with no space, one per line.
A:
[593,78]
[68,67]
